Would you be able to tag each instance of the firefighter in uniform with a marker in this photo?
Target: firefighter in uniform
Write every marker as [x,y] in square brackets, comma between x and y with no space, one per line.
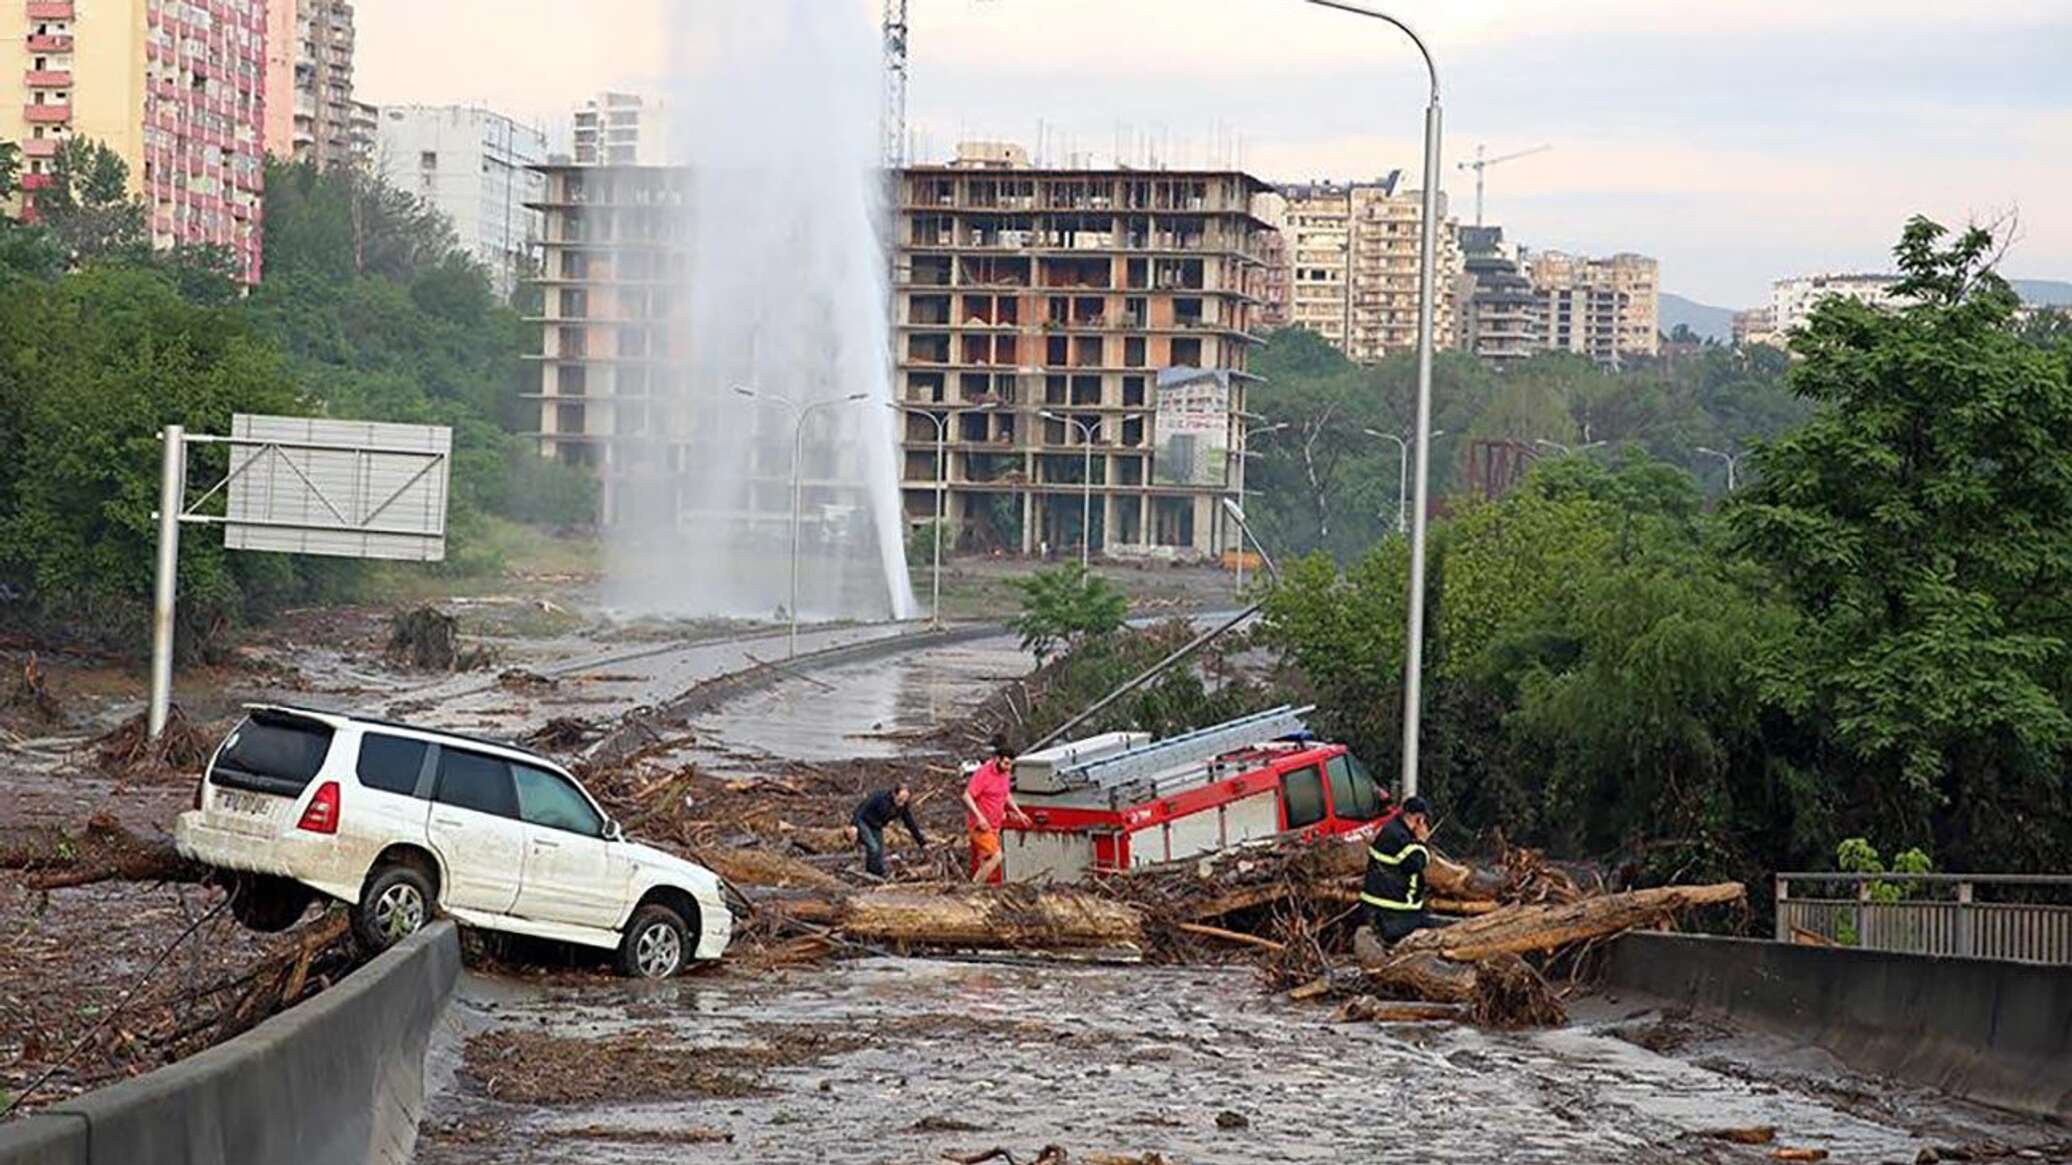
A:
[1396,859]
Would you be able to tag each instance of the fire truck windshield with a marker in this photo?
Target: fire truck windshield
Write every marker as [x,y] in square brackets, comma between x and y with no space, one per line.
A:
[1353,795]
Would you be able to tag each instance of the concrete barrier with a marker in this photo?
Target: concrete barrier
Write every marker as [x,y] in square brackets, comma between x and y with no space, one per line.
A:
[336,1080]
[1989,1030]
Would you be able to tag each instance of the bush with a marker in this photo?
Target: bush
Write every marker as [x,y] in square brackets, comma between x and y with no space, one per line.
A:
[1064,606]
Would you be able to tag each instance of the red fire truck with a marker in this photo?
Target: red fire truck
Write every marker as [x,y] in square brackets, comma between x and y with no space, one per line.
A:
[1121,800]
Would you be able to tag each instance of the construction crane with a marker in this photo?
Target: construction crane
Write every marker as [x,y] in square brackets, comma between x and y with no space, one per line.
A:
[1481,163]
[895,83]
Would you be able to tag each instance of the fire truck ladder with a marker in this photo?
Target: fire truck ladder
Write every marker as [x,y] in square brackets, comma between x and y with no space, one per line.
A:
[1202,744]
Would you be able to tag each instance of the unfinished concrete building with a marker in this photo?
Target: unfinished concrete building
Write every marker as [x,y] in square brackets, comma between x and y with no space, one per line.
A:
[1351,252]
[1058,317]
[611,261]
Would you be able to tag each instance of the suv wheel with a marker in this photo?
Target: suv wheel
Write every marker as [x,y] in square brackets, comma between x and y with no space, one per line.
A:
[266,903]
[655,944]
[396,903]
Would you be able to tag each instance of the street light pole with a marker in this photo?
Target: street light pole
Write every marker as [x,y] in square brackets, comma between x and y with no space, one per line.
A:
[1732,460]
[942,485]
[1402,473]
[1245,442]
[798,456]
[1086,473]
[1427,306]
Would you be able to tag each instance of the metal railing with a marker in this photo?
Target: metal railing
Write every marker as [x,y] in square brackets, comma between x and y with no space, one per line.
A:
[2026,917]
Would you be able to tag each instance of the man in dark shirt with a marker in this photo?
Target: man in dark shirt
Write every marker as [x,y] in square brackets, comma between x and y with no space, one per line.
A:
[1395,883]
[873,815]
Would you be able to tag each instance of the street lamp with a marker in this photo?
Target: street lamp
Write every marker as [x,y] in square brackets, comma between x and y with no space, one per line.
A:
[942,440]
[1402,471]
[798,455]
[1566,449]
[1427,290]
[1086,504]
[1237,513]
[1732,460]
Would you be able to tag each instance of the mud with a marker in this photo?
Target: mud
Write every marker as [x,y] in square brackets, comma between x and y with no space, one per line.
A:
[1196,1065]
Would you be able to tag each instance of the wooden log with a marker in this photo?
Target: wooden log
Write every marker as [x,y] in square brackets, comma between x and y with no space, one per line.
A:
[965,916]
[1230,936]
[1463,907]
[1238,900]
[1368,1009]
[1522,929]
[762,867]
[1427,977]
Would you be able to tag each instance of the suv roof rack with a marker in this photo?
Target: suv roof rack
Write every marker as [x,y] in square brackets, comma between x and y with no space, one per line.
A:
[358,718]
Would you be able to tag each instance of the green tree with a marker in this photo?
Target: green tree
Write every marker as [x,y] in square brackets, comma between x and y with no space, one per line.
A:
[1066,605]
[1922,521]
[88,207]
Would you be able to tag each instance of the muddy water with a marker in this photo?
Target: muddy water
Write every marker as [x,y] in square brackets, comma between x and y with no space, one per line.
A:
[1134,1060]
[869,708]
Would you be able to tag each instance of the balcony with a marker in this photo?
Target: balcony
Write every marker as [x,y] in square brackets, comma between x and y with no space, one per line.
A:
[48,79]
[50,43]
[50,9]
[37,181]
[40,148]
[47,114]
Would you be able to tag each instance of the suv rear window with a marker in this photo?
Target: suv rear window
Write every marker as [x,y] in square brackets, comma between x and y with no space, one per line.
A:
[272,753]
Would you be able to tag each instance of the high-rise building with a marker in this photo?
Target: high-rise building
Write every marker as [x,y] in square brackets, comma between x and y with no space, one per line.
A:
[1757,325]
[611,264]
[1352,255]
[622,129]
[1500,319]
[1792,300]
[175,88]
[1061,320]
[309,83]
[476,166]
[1274,304]
[1606,309]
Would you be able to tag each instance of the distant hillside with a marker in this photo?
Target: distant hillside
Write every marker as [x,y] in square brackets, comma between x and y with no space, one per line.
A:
[1709,322]
[2056,292]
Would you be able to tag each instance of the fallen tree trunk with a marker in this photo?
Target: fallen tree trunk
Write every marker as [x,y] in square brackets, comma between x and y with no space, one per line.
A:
[1522,929]
[962,916]
[104,851]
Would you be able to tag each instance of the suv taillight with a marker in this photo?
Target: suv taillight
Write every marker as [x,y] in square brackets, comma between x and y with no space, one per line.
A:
[322,814]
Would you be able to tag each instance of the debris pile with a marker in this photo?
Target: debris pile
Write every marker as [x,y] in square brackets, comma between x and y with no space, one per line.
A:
[25,691]
[428,639]
[127,752]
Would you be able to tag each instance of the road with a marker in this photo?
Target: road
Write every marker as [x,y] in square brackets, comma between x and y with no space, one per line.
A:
[901,1060]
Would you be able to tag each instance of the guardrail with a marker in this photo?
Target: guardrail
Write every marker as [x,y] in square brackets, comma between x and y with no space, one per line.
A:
[2025,917]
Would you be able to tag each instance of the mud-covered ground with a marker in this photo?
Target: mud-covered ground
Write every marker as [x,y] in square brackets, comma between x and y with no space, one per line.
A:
[895,1060]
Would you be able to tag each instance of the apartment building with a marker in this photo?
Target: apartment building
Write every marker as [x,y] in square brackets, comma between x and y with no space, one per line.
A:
[1499,318]
[1757,325]
[611,272]
[1351,256]
[312,116]
[477,166]
[1606,309]
[1792,300]
[1075,328]
[176,88]
[621,129]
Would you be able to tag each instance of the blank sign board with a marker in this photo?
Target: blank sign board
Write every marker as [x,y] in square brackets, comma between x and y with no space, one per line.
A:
[351,489]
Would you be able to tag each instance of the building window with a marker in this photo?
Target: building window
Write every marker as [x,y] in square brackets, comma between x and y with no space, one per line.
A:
[428,160]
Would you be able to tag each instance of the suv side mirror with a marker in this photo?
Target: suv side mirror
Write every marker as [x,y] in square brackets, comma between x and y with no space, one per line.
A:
[613,831]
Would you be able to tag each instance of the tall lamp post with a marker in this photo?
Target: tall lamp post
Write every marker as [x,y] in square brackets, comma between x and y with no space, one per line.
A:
[1245,440]
[942,439]
[1402,473]
[1733,461]
[1427,256]
[798,455]
[1086,502]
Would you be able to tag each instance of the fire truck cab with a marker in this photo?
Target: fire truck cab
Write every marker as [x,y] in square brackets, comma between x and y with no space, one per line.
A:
[1121,800]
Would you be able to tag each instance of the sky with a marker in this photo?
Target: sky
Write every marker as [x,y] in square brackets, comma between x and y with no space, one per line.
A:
[1738,141]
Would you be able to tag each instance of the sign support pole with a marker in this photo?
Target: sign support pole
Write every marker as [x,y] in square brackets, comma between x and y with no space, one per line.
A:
[172,496]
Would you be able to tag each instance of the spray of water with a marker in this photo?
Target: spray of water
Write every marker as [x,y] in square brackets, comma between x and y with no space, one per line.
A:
[784,334]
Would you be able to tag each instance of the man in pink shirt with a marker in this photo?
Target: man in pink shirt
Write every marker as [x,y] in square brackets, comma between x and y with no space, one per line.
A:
[988,799]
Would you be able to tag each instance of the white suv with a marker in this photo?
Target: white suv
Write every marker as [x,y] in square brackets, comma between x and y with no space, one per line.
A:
[398,821]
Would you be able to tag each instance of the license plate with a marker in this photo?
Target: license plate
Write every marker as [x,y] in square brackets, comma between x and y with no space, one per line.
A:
[244,804]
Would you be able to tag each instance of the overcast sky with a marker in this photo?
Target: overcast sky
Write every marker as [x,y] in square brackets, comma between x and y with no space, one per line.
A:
[1736,140]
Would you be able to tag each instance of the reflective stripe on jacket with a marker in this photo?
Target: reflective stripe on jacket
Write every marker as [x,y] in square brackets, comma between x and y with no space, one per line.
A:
[1395,869]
